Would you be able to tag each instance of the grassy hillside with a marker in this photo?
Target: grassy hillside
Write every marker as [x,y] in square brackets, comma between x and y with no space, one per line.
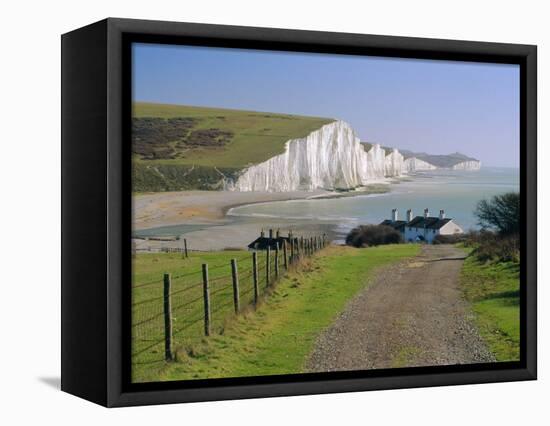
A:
[276,338]
[493,290]
[183,147]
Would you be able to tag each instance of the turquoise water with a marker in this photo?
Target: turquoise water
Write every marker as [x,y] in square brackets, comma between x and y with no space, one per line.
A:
[456,192]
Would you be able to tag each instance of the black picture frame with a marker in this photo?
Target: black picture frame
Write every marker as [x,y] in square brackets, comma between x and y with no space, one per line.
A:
[96,211]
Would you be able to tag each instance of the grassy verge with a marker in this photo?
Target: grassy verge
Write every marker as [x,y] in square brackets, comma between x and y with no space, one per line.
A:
[493,291]
[278,337]
[187,307]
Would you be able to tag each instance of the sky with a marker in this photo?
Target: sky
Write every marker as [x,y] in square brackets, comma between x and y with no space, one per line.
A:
[438,107]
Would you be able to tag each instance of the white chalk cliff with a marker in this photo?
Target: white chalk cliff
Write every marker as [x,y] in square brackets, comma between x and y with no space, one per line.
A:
[330,158]
[394,163]
[467,165]
[414,164]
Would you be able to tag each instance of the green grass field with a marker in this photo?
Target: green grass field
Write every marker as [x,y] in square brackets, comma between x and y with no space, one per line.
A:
[258,136]
[493,291]
[187,302]
[274,339]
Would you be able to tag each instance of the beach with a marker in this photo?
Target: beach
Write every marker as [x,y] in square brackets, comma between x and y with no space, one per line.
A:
[160,218]
[201,207]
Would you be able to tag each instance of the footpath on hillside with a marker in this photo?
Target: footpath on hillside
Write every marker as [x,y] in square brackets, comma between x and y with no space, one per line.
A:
[413,314]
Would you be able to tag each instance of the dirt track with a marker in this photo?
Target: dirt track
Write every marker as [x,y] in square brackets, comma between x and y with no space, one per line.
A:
[412,314]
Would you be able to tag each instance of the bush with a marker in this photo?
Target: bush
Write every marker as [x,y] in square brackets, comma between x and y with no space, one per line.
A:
[491,246]
[449,239]
[373,235]
[497,248]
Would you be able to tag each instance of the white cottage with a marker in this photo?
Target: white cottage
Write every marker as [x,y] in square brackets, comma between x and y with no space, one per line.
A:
[423,228]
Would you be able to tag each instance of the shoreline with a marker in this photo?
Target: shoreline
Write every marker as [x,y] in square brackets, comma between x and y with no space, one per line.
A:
[179,208]
[155,210]
[203,217]
[329,195]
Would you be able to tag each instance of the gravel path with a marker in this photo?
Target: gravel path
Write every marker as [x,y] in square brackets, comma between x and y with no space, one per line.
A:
[413,314]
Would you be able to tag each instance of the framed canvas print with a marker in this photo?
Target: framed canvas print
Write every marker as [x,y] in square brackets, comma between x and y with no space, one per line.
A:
[253,212]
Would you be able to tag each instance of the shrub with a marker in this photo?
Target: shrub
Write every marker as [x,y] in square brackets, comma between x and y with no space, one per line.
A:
[489,246]
[449,239]
[497,248]
[373,235]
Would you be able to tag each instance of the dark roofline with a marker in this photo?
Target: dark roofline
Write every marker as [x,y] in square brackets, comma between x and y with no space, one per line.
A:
[431,222]
[397,224]
[263,242]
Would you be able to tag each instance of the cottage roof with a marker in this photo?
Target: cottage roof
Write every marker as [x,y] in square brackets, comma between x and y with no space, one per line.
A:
[261,243]
[395,224]
[428,222]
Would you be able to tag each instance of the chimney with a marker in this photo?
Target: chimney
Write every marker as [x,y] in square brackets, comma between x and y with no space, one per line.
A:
[262,234]
[441,214]
[278,234]
[271,234]
[409,215]
[394,215]
[426,213]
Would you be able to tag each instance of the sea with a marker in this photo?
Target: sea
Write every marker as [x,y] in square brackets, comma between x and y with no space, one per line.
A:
[457,192]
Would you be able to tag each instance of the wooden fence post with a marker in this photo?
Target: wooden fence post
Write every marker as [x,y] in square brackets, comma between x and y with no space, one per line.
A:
[285,263]
[276,260]
[235,276]
[167,318]
[292,251]
[206,296]
[267,265]
[185,247]
[255,276]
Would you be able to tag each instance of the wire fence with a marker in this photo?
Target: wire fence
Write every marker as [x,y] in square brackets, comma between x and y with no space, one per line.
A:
[176,309]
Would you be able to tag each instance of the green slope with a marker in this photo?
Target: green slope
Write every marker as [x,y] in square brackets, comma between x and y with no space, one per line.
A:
[256,136]
[183,147]
[493,289]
